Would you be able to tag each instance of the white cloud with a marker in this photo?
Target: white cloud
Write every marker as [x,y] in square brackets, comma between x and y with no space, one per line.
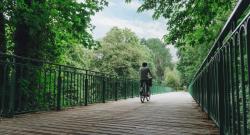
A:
[134,5]
[111,3]
[142,29]
[152,29]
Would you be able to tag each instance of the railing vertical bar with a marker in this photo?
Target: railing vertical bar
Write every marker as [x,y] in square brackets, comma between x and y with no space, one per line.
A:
[62,86]
[77,87]
[242,47]
[67,91]
[44,89]
[221,91]
[237,84]
[86,89]
[4,90]
[116,89]
[248,64]
[103,89]
[59,89]
[80,88]
[12,93]
[50,89]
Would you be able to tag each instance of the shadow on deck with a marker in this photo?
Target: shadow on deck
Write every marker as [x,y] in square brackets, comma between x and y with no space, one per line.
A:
[173,113]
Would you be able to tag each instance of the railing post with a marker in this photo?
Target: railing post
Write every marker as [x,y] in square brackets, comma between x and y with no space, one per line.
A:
[125,84]
[221,90]
[2,82]
[208,91]
[83,88]
[116,89]
[12,93]
[103,89]
[132,85]
[86,89]
[202,91]
[3,90]
[248,60]
[12,97]
[59,89]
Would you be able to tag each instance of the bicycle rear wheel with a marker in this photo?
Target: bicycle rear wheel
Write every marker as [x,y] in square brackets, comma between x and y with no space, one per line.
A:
[142,97]
[148,96]
[143,93]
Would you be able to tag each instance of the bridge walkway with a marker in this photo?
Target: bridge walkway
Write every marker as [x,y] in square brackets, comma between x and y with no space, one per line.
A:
[174,113]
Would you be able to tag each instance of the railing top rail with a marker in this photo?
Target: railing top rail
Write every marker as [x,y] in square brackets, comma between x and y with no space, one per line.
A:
[241,6]
[65,66]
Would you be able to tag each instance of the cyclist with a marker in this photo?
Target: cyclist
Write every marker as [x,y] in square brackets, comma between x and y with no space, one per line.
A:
[144,76]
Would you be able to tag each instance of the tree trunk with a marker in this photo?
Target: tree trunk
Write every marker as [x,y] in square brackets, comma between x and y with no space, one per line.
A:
[2,33]
[2,46]
[22,48]
[21,36]
[26,46]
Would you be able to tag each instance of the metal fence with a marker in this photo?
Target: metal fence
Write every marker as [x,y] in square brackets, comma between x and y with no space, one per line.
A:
[221,85]
[29,85]
[159,89]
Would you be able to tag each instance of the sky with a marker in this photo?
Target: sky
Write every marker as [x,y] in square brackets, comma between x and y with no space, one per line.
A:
[124,15]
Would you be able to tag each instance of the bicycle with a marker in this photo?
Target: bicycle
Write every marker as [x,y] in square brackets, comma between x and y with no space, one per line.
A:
[143,92]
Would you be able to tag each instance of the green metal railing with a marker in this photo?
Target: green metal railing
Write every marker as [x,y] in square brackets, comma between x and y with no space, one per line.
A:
[28,85]
[159,89]
[221,85]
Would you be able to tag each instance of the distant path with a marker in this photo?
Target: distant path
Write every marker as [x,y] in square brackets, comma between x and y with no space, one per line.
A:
[167,114]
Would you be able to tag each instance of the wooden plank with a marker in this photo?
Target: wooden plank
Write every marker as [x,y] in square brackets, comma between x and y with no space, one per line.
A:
[172,114]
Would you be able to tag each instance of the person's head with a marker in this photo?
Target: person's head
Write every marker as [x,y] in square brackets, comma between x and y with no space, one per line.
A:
[144,64]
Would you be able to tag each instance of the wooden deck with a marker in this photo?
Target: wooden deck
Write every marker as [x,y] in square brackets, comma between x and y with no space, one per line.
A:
[167,114]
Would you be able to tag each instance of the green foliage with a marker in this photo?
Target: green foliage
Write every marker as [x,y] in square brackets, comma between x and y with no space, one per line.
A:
[121,53]
[46,29]
[78,56]
[32,31]
[192,27]
[172,78]
[161,56]
[59,31]
[72,22]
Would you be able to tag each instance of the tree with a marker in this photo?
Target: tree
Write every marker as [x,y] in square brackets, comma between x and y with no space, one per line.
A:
[2,40]
[45,29]
[121,53]
[78,56]
[192,27]
[2,29]
[162,57]
[31,22]
[172,78]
